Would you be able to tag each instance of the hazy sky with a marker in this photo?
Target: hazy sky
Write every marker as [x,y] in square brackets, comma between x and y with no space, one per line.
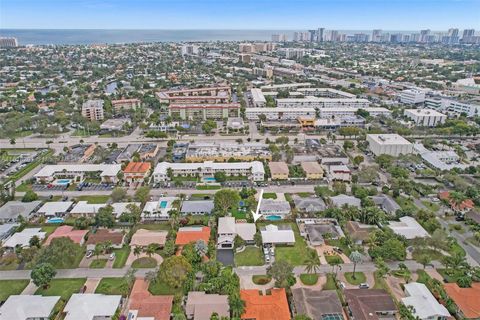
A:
[240,14]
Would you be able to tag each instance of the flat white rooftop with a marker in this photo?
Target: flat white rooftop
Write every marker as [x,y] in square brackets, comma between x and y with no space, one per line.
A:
[425,112]
[388,139]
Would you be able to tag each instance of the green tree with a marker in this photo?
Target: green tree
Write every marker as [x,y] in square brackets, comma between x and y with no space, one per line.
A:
[62,253]
[312,263]
[142,194]
[42,274]
[424,259]
[357,160]
[104,217]
[356,257]
[237,305]
[174,271]
[220,176]
[34,242]
[118,194]
[29,196]
[281,271]
[225,200]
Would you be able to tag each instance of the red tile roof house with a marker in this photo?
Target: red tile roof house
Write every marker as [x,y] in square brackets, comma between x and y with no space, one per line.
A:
[103,235]
[144,305]
[77,236]
[466,299]
[273,306]
[136,172]
[187,235]
[465,206]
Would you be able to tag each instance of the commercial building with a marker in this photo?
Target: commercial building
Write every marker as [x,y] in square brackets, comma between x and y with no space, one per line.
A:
[204,111]
[423,303]
[254,170]
[89,306]
[279,113]
[115,124]
[76,172]
[28,307]
[278,170]
[223,152]
[442,160]
[425,117]
[125,104]
[258,98]
[391,144]
[93,110]
[412,96]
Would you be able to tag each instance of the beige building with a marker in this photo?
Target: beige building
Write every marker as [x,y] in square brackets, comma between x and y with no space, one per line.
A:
[313,170]
[204,111]
[125,104]
[278,170]
[223,152]
[93,110]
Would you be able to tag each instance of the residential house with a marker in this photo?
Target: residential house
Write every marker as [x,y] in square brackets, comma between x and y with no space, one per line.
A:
[12,210]
[89,306]
[226,233]
[386,203]
[370,304]
[136,172]
[359,232]
[7,229]
[55,209]
[339,173]
[342,200]
[278,170]
[145,306]
[317,304]
[143,237]
[77,236]
[22,238]
[115,237]
[423,303]
[465,206]
[158,210]
[315,231]
[309,205]
[201,306]
[197,207]
[467,300]
[277,234]
[313,170]
[265,306]
[274,208]
[186,235]
[409,228]
[28,307]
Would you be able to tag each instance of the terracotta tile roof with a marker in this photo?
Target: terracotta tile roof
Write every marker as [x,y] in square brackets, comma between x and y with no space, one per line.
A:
[192,234]
[148,305]
[103,235]
[466,204]
[466,299]
[265,307]
[67,232]
[137,167]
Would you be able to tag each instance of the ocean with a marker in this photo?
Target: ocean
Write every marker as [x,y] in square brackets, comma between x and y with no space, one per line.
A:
[103,36]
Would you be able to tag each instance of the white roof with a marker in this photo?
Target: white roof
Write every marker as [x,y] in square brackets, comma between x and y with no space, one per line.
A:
[246,231]
[257,95]
[283,110]
[340,167]
[83,207]
[226,225]
[425,112]
[409,228]
[343,199]
[272,234]
[423,302]
[87,306]
[389,139]
[54,207]
[22,238]
[27,307]
[256,166]
[106,169]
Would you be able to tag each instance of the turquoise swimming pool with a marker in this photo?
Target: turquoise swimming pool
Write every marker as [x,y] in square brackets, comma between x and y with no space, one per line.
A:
[163,204]
[55,220]
[209,179]
[273,218]
[62,181]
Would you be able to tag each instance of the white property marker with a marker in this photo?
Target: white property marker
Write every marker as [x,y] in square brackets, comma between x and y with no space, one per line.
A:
[257,215]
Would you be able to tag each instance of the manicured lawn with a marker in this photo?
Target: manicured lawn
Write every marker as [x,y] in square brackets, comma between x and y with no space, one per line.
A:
[121,256]
[435,255]
[94,199]
[11,287]
[430,205]
[251,256]
[449,276]
[98,263]
[380,282]
[63,288]
[296,254]
[238,214]
[330,284]
[261,279]
[304,194]
[154,226]
[24,187]
[269,195]
[145,262]
[333,259]
[49,229]
[359,278]
[337,243]
[111,286]
[309,279]
[161,288]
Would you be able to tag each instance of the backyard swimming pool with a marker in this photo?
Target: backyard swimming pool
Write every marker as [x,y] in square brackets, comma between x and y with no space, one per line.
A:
[209,179]
[55,220]
[62,181]
[273,218]
[163,204]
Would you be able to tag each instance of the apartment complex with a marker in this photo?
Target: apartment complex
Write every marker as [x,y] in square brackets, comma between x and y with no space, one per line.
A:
[316,102]
[125,104]
[204,111]
[425,117]
[279,113]
[223,152]
[344,112]
[164,170]
[453,107]
[203,93]
[391,144]
[93,110]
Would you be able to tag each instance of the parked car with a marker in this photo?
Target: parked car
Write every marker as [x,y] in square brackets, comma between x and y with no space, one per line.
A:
[363,286]
[89,254]
[112,256]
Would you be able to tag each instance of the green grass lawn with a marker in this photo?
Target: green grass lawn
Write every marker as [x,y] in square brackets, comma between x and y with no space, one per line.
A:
[29,167]
[333,259]
[94,199]
[154,226]
[359,278]
[330,284]
[435,255]
[304,194]
[309,279]
[98,263]
[337,243]
[49,229]
[121,256]
[379,282]
[160,288]
[449,276]
[238,214]
[296,254]
[145,262]
[11,287]
[111,286]
[430,205]
[251,256]
[261,279]
[63,288]
[269,195]
[23,187]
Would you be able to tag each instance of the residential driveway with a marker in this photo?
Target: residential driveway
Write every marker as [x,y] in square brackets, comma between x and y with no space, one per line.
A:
[370,279]
[132,257]
[30,289]
[328,250]
[247,283]
[322,280]
[91,284]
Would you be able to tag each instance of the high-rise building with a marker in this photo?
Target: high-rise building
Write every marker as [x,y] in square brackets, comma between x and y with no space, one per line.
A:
[376,35]
[424,34]
[468,36]
[279,37]
[453,32]
[320,32]
[334,35]
[8,42]
[313,35]
[93,110]
[246,48]
[189,49]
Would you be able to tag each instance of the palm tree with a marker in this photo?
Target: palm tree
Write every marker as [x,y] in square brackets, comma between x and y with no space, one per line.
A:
[237,306]
[457,198]
[201,247]
[137,251]
[98,250]
[151,249]
[355,257]
[313,263]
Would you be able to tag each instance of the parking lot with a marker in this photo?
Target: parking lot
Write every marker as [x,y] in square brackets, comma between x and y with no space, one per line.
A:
[81,187]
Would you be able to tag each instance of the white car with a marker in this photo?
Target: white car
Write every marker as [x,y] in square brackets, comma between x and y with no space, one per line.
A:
[112,256]
[89,254]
